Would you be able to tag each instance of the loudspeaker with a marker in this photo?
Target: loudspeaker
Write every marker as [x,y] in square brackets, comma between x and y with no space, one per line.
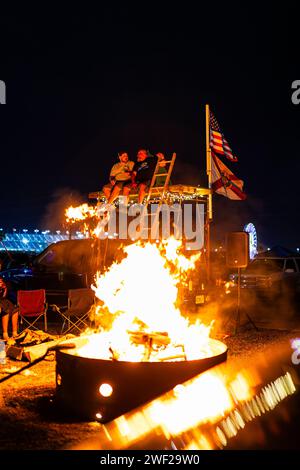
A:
[237,249]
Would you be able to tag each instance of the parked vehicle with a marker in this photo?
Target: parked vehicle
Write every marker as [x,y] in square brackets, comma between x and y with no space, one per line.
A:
[69,264]
[271,276]
[72,264]
[15,259]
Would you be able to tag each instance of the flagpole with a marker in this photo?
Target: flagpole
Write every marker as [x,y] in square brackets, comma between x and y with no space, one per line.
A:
[209,206]
[208,162]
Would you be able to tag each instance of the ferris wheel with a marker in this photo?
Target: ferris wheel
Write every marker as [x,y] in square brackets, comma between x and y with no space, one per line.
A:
[250,228]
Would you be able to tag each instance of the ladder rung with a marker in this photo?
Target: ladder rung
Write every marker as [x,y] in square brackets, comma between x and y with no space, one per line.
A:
[160,190]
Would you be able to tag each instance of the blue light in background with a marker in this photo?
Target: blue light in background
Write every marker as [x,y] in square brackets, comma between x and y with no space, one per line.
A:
[34,242]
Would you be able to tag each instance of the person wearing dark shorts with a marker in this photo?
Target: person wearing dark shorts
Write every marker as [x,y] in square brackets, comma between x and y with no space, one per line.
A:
[120,179]
[7,310]
[143,171]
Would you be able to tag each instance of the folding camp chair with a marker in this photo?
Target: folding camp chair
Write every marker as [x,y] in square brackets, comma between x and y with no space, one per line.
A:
[76,314]
[32,306]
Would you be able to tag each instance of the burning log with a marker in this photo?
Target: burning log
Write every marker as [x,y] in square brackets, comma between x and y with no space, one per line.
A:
[155,338]
[178,357]
[151,341]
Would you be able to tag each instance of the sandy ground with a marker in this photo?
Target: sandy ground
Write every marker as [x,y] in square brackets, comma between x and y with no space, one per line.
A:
[30,420]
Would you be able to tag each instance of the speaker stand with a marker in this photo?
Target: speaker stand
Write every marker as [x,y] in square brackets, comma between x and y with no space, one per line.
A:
[238,308]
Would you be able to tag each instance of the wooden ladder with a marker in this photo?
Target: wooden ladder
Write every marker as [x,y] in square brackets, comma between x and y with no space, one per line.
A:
[169,164]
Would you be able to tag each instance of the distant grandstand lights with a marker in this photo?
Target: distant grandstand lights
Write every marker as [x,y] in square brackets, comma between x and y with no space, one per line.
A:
[33,242]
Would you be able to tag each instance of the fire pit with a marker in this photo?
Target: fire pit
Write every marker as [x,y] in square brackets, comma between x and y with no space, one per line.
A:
[104,389]
[142,345]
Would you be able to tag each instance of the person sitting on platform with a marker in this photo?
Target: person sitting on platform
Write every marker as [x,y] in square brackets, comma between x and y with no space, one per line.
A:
[142,172]
[119,179]
[7,310]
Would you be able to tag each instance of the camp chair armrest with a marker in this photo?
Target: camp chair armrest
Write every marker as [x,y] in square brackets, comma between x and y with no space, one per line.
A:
[58,309]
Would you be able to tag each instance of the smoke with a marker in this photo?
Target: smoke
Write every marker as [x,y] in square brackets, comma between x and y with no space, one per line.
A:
[272,306]
[188,174]
[255,311]
[231,216]
[61,199]
[228,215]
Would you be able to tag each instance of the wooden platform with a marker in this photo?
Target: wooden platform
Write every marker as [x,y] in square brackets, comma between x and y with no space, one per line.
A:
[178,189]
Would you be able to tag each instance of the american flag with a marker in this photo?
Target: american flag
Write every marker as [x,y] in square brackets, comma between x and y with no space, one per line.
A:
[218,141]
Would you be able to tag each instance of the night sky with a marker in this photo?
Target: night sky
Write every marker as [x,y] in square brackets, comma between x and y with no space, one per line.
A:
[84,85]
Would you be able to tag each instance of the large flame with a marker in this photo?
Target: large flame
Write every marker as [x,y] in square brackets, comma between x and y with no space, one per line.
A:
[139,315]
[75,214]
